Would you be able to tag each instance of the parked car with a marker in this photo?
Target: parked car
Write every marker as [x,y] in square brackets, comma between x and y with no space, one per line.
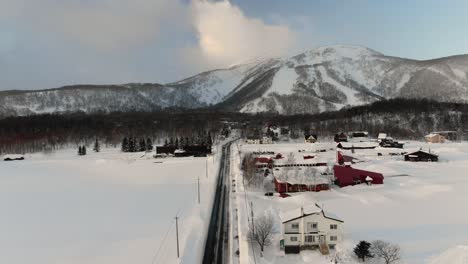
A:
[284,195]
[269,194]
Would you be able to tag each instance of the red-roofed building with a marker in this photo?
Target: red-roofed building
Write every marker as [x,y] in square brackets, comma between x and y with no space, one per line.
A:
[346,175]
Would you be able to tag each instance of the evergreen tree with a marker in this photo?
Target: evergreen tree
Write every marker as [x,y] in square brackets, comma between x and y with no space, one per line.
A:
[125,145]
[171,142]
[80,151]
[97,146]
[177,142]
[362,250]
[165,142]
[149,144]
[142,145]
[131,145]
[209,140]
[84,150]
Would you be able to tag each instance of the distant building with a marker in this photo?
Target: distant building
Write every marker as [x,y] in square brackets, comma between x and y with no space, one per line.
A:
[357,145]
[390,143]
[253,141]
[434,138]
[267,140]
[382,136]
[310,138]
[291,180]
[421,156]
[341,137]
[346,176]
[310,227]
[359,134]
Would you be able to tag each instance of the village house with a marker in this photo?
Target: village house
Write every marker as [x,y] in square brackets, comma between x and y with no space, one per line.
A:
[381,136]
[434,138]
[345,175]
[357,145]
[267,140]
[253,141]
[310,227]
[421,156]
[359,136]
[310,138]
[449,135]
[304,180]
[341,137]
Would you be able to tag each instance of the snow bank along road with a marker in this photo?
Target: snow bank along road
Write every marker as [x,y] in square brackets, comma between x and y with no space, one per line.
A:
[217,241]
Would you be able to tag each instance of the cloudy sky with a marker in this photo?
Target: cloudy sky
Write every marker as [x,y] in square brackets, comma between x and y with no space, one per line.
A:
[50,43]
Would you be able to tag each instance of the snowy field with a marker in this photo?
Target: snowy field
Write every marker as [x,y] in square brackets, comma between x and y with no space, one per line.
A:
[107,207]
[422,207]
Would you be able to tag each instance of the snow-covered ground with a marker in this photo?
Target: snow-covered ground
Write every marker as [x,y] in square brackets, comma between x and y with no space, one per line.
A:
[421,206]
[107,207]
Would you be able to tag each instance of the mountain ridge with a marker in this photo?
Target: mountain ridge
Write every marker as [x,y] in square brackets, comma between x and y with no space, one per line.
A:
[323,79]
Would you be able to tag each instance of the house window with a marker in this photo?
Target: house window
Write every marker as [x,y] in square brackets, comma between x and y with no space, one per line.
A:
[310,239]
[294,239]
[295,226]
[331,246]
[333,226]
[333,238]
[312,226]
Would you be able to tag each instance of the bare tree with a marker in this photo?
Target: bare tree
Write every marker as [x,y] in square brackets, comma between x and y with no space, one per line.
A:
[263,228]
[249,168]
[390,253]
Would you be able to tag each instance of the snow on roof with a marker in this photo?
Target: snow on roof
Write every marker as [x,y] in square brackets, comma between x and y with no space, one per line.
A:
[359,144]
[13,156]
[382,136]
[299,158]
[293,214]
[303,176]
[304,211]
[432,135]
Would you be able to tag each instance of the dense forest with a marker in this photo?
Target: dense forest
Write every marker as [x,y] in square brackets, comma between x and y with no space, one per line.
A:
[401,118]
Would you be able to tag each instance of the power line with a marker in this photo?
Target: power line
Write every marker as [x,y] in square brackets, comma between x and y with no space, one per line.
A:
[162,243]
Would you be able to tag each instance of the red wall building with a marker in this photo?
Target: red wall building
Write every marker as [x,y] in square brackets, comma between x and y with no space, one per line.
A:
[346,175]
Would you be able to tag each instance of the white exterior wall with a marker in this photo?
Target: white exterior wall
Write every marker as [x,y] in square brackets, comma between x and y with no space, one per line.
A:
[305,229]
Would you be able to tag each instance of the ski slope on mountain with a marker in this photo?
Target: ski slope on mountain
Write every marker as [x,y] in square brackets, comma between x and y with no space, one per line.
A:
[323,79]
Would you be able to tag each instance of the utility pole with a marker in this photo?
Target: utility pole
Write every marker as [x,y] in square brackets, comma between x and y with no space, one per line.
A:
[177,234]
[198,183]
[251,211]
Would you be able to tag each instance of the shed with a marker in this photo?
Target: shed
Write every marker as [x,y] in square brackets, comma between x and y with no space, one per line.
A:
[341,137]
[421,156]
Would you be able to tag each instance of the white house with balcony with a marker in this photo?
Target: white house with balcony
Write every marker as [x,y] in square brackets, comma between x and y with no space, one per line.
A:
[310,227]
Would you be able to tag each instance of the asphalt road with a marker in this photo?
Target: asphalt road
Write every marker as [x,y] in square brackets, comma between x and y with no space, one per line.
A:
[217,241]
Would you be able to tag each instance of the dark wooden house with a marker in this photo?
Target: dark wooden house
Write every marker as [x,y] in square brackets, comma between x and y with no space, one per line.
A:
[421,156]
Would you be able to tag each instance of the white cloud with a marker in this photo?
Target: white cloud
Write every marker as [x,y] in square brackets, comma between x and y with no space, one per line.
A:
[226,35]
[114,41]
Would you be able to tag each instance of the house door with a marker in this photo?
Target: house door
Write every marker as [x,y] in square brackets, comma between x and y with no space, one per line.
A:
[322,239]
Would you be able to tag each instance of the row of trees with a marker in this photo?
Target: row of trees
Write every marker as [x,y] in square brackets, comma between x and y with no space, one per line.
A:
[49,132]
[132,144]
[402,118]
[181,142]
[388,252]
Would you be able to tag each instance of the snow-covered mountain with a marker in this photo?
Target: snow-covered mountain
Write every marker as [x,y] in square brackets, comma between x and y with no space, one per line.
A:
[323,79]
